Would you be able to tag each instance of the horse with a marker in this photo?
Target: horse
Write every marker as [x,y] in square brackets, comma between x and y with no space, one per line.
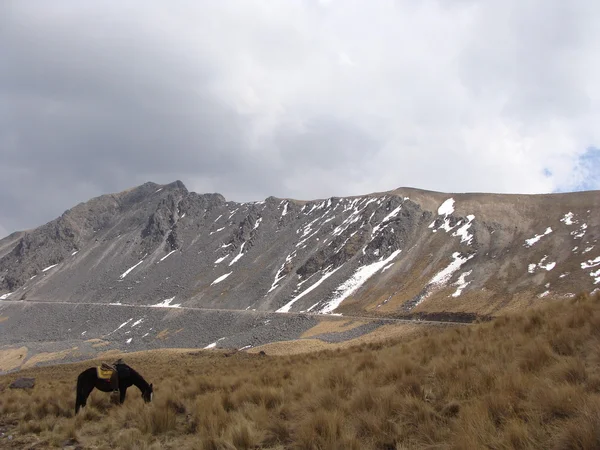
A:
[126,376]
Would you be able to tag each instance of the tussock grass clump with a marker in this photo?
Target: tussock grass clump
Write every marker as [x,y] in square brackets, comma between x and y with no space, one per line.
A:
[521,381]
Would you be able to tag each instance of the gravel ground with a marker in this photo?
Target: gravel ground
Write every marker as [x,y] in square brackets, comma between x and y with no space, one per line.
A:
[75,329]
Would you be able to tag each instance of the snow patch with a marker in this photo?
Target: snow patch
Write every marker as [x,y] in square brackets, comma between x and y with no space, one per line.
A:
[578,234]
[537,237]
[220,260]
[354,217]
[278,276]
[591,263]
[394,213]
[548,267]
[137,322]
[286,308]
[568,218]
[166,304]
[49,267]
[443,276]
[446,208]
[216,231]
[221,278]
[239,255]
[359,278]
[214,344]
[129,340]
[387,267]
[5,296]
[122,325]
[462,231]
[461,283]
[167,255]
[75,252]
[130,269]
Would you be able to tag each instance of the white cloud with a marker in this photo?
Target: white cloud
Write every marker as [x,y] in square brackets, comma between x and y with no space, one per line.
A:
[487,96]
[324,97]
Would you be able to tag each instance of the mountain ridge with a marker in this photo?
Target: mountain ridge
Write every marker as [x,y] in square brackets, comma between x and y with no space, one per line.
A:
[154,218]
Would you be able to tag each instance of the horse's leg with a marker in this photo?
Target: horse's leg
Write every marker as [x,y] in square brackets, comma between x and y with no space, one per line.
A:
[122,392]
[78,398]
[85,393]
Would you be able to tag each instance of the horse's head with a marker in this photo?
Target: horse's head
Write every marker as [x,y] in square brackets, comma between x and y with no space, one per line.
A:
[147,394]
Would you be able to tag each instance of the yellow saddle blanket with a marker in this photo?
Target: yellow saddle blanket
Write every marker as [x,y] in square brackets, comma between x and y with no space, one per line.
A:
[105,372]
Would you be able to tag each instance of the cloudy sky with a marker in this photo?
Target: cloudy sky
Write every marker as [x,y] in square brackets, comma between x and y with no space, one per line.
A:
[302,99]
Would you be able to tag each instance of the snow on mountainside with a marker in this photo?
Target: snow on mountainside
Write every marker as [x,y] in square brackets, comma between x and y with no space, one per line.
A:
[397,252]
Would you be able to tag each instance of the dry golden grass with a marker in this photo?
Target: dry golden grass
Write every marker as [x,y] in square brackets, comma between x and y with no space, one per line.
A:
[523,381]
[383,333]
[11,359]
[47,356]
[97,343]
[333,325]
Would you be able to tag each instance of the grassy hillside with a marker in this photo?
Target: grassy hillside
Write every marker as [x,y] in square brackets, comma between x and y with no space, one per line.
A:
[522,381]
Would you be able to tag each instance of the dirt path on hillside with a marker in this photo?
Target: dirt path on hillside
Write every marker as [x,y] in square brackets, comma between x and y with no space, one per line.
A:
[245,311]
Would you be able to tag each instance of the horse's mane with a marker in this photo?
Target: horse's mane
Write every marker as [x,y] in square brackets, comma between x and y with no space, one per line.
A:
[133,373]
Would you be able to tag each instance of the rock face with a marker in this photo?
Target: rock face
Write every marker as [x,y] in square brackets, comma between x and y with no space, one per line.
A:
[402,252]
[22,383]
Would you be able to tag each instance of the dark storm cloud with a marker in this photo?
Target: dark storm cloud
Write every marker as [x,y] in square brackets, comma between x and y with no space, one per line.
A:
[95,108]
[88,116]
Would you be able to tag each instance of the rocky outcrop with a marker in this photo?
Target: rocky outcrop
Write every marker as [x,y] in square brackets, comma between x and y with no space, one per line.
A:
[23,383]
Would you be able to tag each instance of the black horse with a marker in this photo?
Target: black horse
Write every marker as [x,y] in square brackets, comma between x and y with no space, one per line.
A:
[88,380]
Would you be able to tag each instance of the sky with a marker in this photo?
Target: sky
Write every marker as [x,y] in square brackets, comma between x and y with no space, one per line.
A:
[297,99]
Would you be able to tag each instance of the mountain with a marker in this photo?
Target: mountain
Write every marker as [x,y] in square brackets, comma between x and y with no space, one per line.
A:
[403,253]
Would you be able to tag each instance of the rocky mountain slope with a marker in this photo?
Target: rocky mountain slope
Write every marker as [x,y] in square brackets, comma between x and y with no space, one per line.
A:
[199,258]
[394,252]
